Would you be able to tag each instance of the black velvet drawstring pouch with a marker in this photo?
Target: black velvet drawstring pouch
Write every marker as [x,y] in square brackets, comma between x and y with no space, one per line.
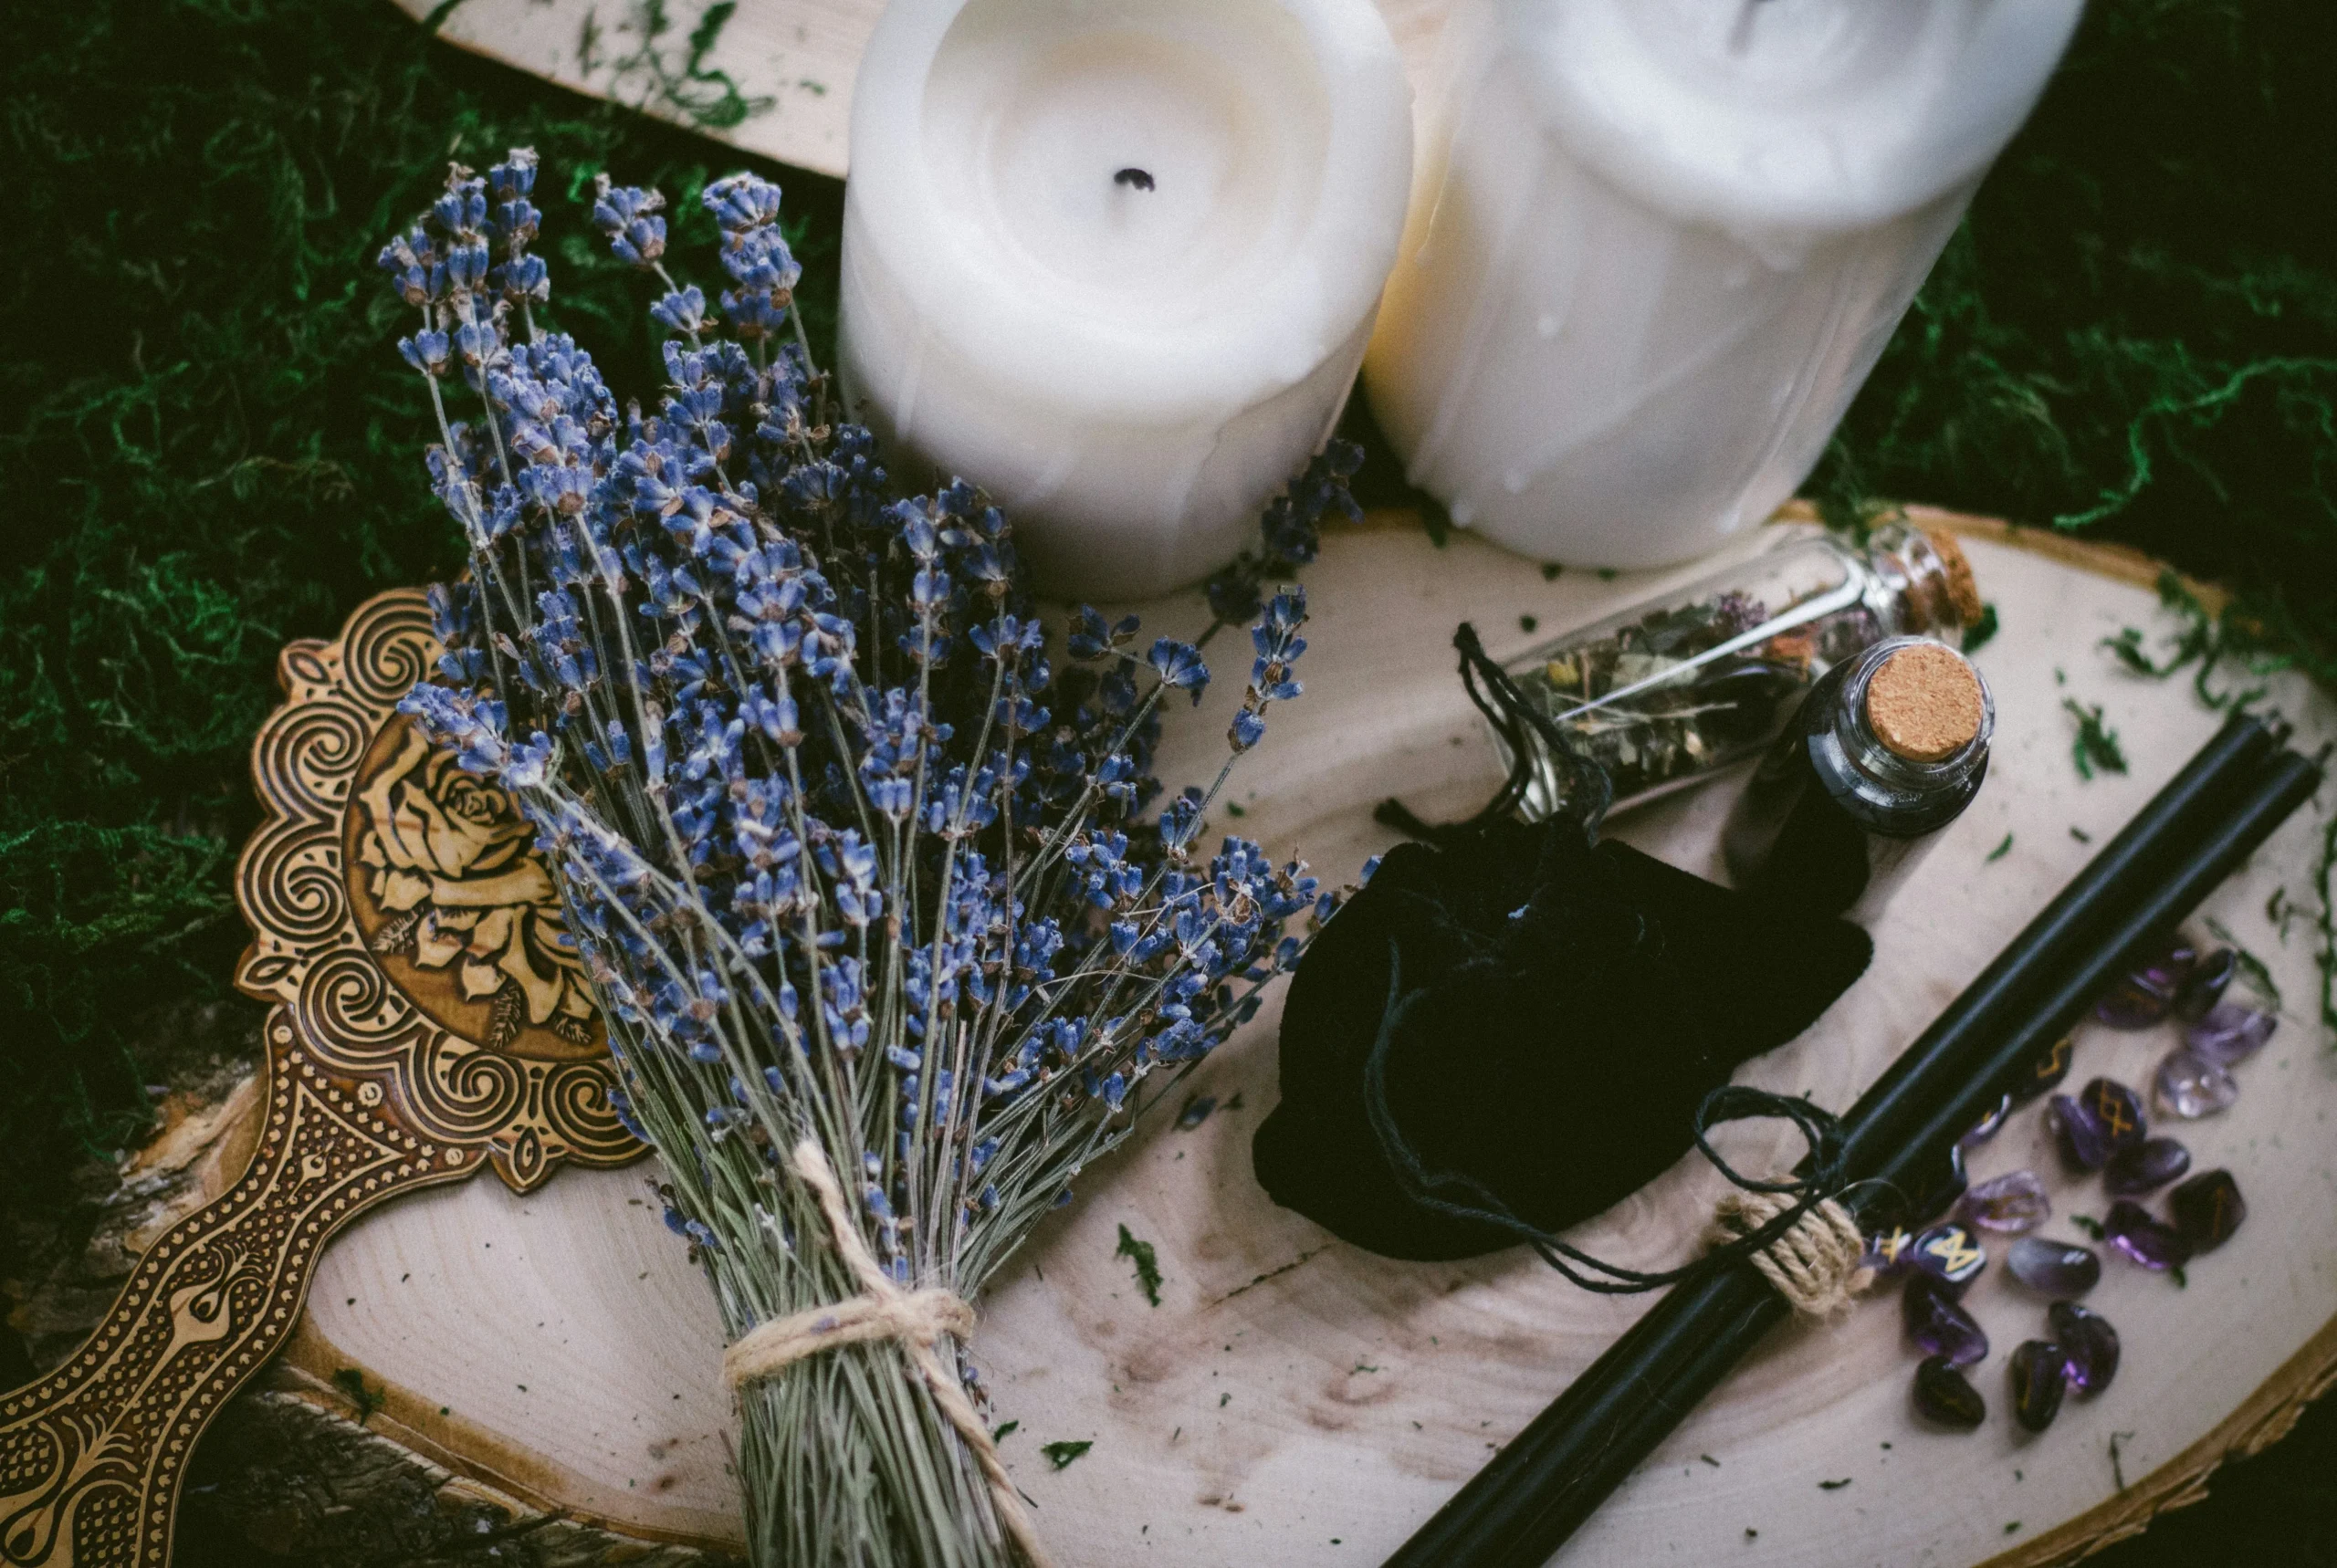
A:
[1547,1014]
[1561,1010]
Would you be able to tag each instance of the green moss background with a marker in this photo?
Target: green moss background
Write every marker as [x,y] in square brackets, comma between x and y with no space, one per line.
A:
[208,447]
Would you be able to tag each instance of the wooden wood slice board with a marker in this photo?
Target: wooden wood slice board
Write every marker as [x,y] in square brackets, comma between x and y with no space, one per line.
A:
[793,61]
[1295,1400]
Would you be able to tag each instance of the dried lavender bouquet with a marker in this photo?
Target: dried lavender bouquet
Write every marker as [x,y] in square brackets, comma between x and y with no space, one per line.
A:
[860,878]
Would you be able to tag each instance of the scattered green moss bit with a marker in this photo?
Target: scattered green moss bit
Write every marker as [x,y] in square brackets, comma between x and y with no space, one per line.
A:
[1235,809]
[1147,1266]
[2001,850]
[2080,834]
[2014,1525]
[2089,1224]
[1000,1433]
[351,1382]
[1528,624]
[1550,571]
[2096,745]
[1978,635]
[2182,1280]
[2258,974]
[2128,648]
[1608,574]
[691,91]
[1834,1486]
[1060,1455]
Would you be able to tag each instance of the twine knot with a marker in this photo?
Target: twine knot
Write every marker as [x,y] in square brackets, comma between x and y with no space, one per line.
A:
[916,1320]
[1817,1264]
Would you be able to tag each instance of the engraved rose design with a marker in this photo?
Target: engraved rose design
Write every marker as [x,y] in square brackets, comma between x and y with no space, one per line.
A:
[453,865]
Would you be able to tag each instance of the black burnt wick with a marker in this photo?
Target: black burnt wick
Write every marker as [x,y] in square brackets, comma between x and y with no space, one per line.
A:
[1135,178]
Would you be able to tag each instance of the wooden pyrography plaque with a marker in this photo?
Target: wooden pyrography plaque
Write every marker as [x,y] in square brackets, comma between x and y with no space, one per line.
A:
[429,1019]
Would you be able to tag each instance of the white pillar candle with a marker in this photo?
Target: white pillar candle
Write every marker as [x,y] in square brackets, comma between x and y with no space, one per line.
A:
[1116,261]
[1655,246]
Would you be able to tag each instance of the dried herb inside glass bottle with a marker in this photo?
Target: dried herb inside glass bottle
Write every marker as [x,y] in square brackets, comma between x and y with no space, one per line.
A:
[1664,692]
[1888,750]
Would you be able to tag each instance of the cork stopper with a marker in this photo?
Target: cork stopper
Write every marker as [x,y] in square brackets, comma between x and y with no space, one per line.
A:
[1963,588]
[1925,703]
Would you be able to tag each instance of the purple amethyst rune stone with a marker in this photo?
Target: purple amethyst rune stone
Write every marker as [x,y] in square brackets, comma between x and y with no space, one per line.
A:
[2054,1267]
[2039,1372]
[2145,996]
[2207,984]
[2132,1231]
[1949,1254]
[1938,1323]
[2207,1209]
[2048,1071]
[2096,1122]
[2012,1203]
[1889,1253]
[2147,1166]
[2229,1033]
[2191,1086]
[2088,1345]
[1945,1395]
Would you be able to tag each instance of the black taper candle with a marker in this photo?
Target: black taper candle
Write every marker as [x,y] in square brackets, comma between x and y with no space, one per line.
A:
[1546,1481]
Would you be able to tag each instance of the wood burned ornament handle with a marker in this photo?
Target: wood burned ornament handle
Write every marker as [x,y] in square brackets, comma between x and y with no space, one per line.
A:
[92,1456]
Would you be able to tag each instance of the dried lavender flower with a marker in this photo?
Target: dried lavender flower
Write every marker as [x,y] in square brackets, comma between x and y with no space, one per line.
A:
[846,856]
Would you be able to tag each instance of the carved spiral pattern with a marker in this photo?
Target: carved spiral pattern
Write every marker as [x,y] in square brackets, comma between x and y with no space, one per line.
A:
[576,1102]
[464,1091]
[386,647]
[353,1014]
[290,879]
[302,750]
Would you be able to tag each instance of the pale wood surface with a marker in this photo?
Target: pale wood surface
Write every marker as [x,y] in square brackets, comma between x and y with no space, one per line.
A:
[796,59]
[1346,1396]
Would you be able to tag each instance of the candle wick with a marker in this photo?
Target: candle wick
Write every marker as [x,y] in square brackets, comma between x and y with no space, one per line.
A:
[1135,178]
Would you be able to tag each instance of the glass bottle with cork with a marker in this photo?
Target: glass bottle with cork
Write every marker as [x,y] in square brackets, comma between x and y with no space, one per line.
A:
[1888,748]
[1664,693]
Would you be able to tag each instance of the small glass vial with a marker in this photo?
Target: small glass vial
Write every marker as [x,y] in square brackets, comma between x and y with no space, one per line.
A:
[1888,748]
[1665,693]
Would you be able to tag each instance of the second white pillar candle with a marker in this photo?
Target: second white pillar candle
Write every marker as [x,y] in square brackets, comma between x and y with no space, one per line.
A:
[1657,244]
[1116,261]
